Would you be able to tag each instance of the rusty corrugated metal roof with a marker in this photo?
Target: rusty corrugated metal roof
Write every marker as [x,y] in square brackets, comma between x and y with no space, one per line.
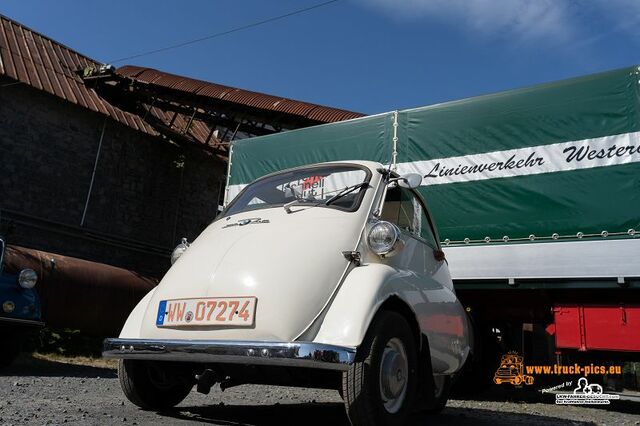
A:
[38,61]
[317,113]
[33,59]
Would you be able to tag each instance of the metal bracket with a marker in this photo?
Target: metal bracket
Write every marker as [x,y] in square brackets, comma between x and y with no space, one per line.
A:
[206,380]
[353,256]
[394,139]
[229,383]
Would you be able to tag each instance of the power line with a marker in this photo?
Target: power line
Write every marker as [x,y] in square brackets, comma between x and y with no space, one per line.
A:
[233,30]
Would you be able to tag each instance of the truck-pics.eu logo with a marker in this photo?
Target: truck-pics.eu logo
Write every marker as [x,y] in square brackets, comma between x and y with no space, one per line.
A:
[511,370]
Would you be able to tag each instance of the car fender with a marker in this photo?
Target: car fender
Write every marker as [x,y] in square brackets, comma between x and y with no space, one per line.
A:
[439,315]
[362,292]
[132,326]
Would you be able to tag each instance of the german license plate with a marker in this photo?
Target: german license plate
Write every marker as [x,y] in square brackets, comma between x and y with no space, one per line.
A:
[232,311]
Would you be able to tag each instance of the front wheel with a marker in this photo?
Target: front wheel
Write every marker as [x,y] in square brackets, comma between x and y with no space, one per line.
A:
[153,385]
[380,387]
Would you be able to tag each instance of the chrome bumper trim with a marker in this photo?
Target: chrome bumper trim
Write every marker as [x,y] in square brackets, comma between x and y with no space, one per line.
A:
[289,354]
[20,321]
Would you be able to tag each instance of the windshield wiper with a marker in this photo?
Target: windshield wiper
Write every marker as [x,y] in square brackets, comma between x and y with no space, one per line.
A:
[287,207]
[345,191]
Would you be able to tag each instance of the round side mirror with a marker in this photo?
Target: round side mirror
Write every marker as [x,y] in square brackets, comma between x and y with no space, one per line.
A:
[411,180]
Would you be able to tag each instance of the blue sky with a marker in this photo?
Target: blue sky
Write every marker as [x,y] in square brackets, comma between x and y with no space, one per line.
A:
[364,55]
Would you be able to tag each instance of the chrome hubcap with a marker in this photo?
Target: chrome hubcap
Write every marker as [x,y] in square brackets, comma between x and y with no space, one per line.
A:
[394,371]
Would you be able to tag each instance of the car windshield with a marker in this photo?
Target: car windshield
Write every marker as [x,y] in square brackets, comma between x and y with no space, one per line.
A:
[309,186]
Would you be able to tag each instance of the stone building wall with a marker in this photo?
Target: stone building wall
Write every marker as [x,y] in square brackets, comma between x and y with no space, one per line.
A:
[147,192]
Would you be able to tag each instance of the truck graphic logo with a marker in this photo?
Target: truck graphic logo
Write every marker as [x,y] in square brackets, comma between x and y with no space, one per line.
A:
[511,370]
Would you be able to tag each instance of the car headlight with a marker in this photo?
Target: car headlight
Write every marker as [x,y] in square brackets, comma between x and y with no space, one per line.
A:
[179,250]
[8,306]
[383,237]
[27,278]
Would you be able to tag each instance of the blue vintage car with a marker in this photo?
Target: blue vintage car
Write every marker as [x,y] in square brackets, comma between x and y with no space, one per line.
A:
[20,313]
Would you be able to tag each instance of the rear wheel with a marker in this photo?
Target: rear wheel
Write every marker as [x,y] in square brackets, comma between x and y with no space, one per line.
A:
[478,373]
[440,394]
[153,385]
[379,388]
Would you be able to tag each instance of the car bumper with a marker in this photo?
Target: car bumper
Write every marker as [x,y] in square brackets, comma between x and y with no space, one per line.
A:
[20,322]
[288,354]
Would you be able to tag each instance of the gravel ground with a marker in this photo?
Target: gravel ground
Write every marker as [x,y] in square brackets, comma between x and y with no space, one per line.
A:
[36,391]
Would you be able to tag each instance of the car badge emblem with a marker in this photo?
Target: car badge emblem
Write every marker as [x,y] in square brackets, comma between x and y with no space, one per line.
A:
[250,221]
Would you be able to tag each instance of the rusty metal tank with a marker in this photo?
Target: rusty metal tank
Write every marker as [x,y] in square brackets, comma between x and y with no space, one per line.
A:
[78,294]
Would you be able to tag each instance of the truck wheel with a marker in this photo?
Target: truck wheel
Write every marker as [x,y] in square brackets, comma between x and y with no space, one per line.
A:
[379,388]
[151,385]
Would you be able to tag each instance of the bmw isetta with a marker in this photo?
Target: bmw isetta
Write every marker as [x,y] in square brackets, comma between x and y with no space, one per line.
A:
[329,275]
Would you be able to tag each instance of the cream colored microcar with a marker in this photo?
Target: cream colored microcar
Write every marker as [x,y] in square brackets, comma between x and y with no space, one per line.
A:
[329,275]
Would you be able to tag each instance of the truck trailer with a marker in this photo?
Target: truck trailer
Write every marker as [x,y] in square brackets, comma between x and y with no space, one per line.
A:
[535,193]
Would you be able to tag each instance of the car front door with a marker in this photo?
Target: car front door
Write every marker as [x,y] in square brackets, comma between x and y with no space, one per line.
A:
[423,267]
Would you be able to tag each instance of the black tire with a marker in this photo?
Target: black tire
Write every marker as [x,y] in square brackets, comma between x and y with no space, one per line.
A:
[478,372]
[440,398]
[152,385]
[10,350]
[361,385]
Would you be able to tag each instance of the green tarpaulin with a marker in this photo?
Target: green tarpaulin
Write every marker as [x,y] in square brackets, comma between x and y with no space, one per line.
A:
[559,160]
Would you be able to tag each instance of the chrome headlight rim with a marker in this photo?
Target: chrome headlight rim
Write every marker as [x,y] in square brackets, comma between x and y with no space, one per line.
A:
[27,278]
[389,249]
[8,306]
